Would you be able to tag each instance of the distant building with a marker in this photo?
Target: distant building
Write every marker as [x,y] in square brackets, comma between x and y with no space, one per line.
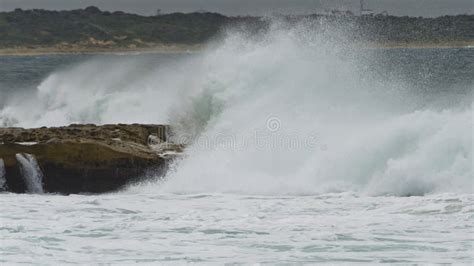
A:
[365,11]
[339,13]
[202,11]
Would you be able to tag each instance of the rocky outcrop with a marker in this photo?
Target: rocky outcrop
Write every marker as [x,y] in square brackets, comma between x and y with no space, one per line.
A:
[86,158]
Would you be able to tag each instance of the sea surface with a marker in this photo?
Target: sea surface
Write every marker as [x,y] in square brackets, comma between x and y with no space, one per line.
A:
[220,228]
[297,153]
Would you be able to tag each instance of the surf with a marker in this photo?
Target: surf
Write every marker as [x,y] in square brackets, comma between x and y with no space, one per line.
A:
[292,111]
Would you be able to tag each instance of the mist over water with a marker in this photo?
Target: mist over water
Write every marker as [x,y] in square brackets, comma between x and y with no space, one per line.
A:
[293,111]
[108,89]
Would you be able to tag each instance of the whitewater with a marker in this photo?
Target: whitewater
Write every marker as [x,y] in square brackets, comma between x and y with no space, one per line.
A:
[301,146]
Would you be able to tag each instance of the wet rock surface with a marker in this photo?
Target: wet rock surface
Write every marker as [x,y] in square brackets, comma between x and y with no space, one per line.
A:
[86,158]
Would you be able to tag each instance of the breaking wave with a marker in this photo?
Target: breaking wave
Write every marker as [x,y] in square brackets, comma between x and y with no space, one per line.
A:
[292,111]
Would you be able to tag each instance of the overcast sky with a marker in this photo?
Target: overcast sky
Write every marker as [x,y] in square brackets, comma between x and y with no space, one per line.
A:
[254,7]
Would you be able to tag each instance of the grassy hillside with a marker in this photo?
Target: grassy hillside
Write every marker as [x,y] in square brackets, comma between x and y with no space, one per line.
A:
[92,27]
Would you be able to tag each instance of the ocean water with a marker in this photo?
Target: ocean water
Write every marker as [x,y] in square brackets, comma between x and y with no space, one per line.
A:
[223,228]
[301,147]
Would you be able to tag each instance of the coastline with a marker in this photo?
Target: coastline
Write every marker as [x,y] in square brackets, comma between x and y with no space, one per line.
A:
[179,48]
[422,45]
[54,50]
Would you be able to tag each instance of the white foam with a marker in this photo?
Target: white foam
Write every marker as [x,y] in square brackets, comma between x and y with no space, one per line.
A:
[292,114]
[30,172]
[30,143]
[3,175]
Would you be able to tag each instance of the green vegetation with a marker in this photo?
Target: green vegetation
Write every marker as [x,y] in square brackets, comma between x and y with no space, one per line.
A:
[93,28]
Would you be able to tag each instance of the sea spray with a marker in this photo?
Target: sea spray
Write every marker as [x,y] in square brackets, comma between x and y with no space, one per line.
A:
[291,111]
[101,90]
[3,175]
[300,116]
[30,172]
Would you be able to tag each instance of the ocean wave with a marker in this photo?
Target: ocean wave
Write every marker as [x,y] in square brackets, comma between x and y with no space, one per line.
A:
[292,111]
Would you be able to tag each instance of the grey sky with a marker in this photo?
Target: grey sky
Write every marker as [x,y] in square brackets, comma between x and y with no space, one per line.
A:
[254,7]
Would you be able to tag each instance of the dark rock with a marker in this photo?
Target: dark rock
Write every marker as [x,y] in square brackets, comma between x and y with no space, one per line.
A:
[85,158]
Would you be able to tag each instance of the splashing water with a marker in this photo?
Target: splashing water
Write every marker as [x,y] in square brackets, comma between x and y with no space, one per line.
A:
[97,91]
[297,117]
[31,173]
[3,180]
[292,111]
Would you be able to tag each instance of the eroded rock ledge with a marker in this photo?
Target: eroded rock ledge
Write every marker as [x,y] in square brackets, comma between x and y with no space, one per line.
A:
[86,158]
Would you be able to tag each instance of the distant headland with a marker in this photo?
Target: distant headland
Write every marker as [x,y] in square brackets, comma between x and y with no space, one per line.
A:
[91,30]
